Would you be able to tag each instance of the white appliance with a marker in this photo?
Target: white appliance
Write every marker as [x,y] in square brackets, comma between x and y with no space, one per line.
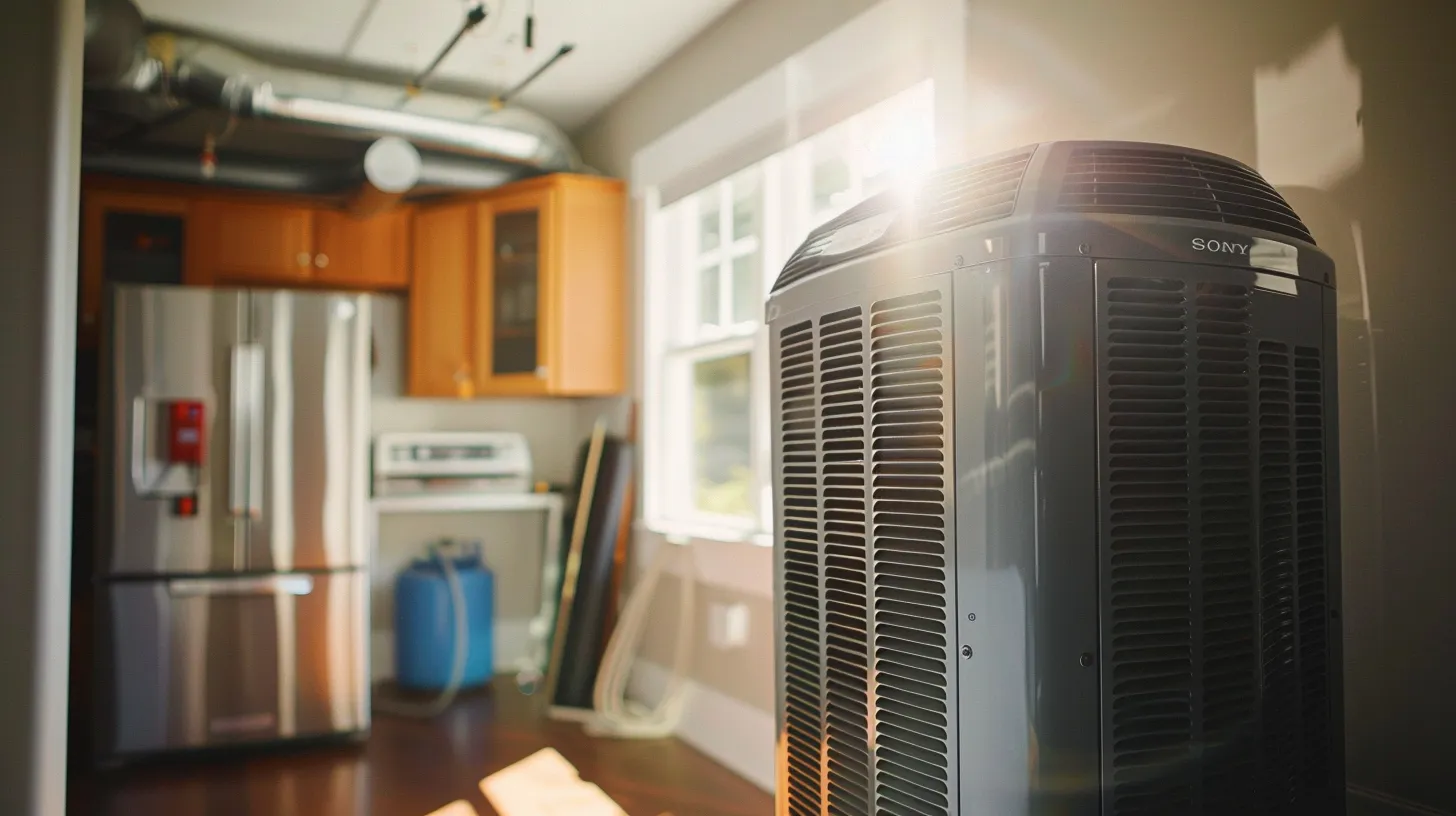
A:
[451,463]
[431,472]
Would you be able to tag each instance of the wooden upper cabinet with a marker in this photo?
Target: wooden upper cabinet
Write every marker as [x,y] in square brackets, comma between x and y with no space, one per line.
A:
[367,253]
[281,243]
[513,337]
[127,238]
[440,326]
[238,242]
[543,301]
[587,286]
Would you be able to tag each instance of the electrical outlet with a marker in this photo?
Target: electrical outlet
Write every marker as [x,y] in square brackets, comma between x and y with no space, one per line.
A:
[728,625]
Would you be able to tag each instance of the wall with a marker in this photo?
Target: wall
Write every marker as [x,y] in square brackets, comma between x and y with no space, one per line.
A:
[730,717]
[1335,103]
[1342,106]
[40,81]
[512,541]
[754,36]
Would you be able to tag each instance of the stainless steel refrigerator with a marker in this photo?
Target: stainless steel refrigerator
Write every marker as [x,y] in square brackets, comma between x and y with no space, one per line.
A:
[232,569]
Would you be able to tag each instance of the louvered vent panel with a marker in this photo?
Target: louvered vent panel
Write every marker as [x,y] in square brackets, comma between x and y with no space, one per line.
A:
[1147,556]
[1276,563]
[1310,555]
[1146,181]
[971,194]
[909,484]
[803,714]
[846,584]
[1225,445]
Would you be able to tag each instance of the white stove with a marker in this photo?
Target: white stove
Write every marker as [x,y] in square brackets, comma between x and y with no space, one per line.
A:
[442,463]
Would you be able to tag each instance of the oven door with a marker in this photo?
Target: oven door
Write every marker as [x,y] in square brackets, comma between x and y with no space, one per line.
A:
[208,661]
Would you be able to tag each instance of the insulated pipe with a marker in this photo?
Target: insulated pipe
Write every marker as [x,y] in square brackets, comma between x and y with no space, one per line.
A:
[249,173]
[386,167]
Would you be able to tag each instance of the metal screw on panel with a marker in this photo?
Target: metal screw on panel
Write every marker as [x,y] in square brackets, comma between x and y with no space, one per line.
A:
[1084,248]
[966,652]
[1085,661]
[971,616]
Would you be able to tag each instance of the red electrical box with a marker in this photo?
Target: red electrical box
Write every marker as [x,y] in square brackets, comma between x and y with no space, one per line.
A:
[184,432]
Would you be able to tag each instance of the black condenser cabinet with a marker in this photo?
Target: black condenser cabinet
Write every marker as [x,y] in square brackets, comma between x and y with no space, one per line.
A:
[1057,519]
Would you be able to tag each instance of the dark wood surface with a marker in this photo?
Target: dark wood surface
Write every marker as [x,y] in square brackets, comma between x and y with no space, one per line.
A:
[412,767]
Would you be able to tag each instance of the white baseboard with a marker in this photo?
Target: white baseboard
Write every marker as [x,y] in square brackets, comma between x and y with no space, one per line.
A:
[731,732]
[512,647]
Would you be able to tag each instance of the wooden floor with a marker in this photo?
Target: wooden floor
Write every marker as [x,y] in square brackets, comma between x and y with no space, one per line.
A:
[412,767]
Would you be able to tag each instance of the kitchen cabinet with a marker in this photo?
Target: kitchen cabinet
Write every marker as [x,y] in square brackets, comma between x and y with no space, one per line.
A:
[127,238]
[245,242]
[277,243]
[440,309]
[521,291]
[512,306]
[364,253]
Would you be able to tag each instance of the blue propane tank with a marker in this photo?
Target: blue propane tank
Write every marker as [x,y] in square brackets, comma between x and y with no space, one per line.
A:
[424,621]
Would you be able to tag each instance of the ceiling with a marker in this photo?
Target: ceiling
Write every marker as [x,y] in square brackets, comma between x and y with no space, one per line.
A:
[617,41]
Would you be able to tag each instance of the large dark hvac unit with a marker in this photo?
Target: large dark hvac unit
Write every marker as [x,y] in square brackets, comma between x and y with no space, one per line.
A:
[1057,515]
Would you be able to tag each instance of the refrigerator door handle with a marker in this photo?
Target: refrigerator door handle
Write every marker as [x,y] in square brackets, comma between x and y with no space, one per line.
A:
[245,478]
[297,585]
[139,480]
[238,472]
[256,429]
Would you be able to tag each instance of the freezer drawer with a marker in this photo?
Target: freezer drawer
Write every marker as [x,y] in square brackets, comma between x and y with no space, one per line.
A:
[194,662]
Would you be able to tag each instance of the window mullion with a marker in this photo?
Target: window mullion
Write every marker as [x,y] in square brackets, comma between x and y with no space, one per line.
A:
[725,261]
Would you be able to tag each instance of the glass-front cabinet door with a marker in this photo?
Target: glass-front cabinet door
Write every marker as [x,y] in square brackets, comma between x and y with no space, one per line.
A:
[513,338]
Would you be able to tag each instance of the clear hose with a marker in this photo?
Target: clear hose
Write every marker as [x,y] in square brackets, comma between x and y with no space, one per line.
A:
[615,716]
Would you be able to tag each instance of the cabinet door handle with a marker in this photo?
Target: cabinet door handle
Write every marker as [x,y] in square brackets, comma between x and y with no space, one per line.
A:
[464,383]
[303,259]
[321,260]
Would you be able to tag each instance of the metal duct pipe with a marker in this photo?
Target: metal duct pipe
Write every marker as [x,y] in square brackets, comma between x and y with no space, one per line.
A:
[212,76]
[249,173]
[435,172]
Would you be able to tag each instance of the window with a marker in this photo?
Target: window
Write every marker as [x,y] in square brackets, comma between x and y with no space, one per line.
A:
[712,257]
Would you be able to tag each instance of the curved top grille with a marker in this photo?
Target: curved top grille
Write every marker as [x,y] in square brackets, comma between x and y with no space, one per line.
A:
[1147,180]
[1114,178]
[960,196]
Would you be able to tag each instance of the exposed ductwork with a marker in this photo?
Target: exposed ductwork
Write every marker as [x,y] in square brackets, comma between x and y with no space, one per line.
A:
[436,173]
[489,145]
[510,134]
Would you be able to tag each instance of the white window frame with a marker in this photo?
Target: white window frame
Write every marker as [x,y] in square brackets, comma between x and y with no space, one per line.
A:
[785,180]
[672,245]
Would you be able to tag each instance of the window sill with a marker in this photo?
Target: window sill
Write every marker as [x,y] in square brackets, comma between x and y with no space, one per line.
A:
[681,532]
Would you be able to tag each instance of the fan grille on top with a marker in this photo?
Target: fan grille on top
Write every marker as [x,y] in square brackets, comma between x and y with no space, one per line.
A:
[1148,181]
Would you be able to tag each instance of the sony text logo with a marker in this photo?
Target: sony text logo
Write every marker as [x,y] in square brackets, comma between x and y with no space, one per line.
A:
[1215,245]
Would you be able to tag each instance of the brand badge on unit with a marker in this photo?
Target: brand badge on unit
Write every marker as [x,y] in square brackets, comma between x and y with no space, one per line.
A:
[1215,245]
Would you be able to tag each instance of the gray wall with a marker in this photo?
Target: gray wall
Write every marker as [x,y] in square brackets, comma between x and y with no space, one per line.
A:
[747,41]
[1344,106]
[1370,169]
[751,38]
[40,81]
